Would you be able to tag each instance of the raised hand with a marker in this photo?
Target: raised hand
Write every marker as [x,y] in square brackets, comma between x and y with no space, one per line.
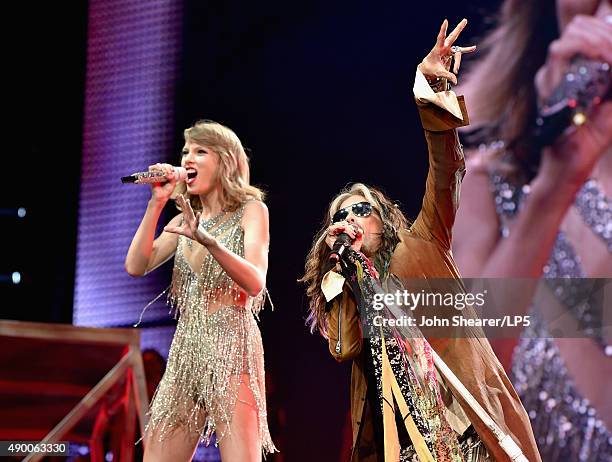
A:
[189,226]
[436,65]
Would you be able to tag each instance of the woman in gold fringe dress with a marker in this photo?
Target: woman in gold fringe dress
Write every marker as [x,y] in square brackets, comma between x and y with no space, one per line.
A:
[214,381]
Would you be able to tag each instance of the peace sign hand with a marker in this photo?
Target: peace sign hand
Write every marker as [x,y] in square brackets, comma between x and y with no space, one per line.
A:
[437,63]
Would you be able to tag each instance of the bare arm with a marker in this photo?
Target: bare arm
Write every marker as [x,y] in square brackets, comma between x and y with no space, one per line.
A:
[532,235]
[476,228]
[533,232]
[248,272]
[147,253]
[480,251]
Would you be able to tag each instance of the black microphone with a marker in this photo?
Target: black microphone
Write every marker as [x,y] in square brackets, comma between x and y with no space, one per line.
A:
[343,242]
[585,84]
[180,174]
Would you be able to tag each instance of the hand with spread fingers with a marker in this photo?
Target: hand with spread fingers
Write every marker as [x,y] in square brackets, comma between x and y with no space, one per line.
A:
[436,65]
[190,225]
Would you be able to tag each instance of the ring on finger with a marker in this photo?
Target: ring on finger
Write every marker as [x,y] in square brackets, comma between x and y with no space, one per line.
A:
[455,49]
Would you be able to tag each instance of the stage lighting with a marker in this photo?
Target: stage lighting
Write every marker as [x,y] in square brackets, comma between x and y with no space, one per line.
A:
[16,276]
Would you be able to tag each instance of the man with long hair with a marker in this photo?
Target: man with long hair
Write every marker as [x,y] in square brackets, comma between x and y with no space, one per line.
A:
[401,409]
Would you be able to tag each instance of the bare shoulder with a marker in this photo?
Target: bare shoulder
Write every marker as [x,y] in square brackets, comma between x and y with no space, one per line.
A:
[255,218]
[256,226]
[255,210]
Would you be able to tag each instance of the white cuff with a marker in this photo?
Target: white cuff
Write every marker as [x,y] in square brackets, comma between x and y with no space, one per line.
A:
[446,100]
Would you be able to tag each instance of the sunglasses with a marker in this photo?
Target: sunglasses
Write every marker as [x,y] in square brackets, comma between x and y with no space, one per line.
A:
[360,209]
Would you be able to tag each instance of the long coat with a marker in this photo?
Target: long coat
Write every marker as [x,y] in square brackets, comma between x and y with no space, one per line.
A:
[425,252]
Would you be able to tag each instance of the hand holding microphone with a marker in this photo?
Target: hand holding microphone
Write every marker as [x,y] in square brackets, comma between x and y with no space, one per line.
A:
[158,173]
[575,81]
[575,77]
[162,178]
[343,242]
[340,236]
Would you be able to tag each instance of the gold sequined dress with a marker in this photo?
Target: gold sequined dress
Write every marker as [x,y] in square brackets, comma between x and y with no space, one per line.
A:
[217,344]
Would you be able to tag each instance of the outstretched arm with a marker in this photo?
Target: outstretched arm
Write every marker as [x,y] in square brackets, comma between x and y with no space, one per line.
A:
[441,113]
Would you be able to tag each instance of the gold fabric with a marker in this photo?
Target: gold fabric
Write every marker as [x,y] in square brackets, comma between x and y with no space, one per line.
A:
[424,253]
[217,342]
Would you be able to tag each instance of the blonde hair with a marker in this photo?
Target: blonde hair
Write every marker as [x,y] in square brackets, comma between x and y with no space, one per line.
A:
[233,172]
[317,263]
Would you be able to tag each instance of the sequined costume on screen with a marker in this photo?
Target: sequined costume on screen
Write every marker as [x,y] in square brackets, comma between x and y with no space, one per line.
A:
[217,343]
[566,426]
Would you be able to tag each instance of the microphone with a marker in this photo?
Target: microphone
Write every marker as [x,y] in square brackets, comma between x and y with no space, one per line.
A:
[585,84]
[180,174]
[343,242]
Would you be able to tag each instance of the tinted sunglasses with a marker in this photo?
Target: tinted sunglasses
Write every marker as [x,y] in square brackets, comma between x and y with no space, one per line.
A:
[360,209]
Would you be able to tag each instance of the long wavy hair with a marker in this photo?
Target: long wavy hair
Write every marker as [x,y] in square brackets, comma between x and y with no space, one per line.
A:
[317,260]
[233,172]
[499,85]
